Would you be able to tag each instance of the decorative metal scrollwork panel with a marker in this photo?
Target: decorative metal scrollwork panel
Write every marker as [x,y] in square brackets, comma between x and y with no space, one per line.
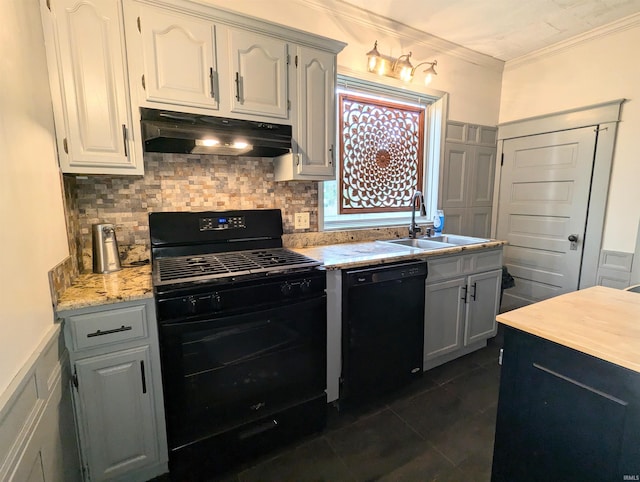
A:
[381,149]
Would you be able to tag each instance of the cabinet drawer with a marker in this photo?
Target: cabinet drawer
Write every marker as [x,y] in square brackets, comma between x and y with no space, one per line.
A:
[443,268]
[486,260]
[112,326]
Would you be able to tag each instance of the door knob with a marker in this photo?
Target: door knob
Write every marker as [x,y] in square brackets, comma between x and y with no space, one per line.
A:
[574,241]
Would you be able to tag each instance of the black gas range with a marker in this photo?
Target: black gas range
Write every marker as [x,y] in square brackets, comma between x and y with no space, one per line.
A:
[242,326]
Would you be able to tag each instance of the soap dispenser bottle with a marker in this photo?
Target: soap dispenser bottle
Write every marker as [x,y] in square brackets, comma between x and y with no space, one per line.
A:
[438,222]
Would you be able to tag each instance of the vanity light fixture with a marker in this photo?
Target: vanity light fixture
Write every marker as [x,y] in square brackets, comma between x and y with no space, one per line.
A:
[397,68]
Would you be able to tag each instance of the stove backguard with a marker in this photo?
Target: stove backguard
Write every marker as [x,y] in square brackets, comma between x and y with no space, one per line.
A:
[191,233]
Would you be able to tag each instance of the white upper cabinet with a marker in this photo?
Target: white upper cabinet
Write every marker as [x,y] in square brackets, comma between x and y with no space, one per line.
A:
[316,112]
[86,57]
[182,60]
[259,74]
[313,93]
[179,59]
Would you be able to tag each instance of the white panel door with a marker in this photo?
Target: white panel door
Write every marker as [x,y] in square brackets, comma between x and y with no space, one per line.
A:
[179,59]
[544,195]
[118,415]
[259,74]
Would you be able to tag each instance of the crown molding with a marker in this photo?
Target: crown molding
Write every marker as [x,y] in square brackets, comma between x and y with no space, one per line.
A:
[350,14]
[626,23]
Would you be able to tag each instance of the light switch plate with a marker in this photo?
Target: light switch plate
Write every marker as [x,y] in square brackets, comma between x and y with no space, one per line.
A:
[301,221]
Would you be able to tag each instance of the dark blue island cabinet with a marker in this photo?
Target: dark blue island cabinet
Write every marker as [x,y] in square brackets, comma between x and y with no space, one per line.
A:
[565,415]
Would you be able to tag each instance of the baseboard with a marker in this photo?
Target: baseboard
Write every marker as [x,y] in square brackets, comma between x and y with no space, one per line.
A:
[441,360]
[37,432]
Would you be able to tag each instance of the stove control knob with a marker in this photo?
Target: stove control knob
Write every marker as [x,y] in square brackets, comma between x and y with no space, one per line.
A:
[305,286]
[286,289]
[216,302]
[192,304]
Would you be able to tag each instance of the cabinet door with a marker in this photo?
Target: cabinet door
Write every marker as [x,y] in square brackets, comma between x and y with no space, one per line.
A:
[481,177]
[444,317]
[117,416]
[483,297]
[315,126]
[478,222]
[456,171]
[179,59]
[88,68]
[259,74]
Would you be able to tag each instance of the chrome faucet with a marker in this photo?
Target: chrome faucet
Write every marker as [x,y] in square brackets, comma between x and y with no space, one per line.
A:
[414,229]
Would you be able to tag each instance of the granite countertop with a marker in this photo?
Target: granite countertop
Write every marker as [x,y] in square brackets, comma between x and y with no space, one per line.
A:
[92,289]
[599,321]
[135,283]
[354,255]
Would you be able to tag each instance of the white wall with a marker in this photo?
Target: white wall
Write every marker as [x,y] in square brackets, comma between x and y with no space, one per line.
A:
[462,73]
[32,226]
[599,69]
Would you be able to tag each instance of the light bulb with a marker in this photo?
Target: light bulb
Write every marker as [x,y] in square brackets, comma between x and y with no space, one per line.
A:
[207,142]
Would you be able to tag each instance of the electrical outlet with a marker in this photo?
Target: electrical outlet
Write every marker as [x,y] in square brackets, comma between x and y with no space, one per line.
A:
[301,221]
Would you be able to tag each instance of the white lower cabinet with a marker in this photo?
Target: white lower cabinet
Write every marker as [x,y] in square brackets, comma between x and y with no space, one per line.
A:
[462,296]
[117,391]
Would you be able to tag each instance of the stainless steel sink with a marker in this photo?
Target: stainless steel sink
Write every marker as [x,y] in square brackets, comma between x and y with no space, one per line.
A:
[456,239]
[436,242]
[420,243]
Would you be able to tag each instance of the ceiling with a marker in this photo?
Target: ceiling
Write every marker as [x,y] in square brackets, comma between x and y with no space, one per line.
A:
[504,29]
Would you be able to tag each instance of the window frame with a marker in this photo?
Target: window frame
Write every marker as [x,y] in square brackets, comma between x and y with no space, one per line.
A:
[436,113]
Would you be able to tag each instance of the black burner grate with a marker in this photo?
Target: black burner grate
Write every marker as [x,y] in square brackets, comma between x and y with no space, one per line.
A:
[222,265]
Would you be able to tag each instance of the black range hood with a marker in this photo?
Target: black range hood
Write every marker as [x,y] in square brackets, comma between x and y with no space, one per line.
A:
[182,133]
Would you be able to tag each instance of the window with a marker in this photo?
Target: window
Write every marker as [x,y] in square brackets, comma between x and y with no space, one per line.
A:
[389,142]
[381,152]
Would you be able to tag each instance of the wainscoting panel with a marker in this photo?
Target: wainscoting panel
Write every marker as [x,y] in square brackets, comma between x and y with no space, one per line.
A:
[614,269]
[37,430]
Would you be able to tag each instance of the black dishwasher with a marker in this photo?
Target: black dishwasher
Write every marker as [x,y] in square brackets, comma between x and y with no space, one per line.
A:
[382,329]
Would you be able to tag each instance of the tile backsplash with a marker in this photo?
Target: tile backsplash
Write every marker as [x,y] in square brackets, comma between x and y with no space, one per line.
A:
[177,182]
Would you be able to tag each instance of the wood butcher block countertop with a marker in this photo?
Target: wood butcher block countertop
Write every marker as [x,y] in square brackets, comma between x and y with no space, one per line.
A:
[599,321]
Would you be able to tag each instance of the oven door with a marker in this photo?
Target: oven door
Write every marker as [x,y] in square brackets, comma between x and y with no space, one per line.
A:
[223,372]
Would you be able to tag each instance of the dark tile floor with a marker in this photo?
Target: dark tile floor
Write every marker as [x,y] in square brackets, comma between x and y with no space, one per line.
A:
[441,428]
